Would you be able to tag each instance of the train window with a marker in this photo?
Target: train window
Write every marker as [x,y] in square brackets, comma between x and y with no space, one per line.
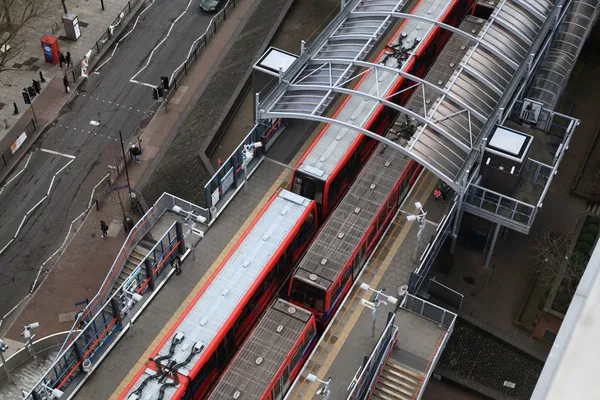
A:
[307,294]
[277,390]
[297,356]
[310,332]
[305,232]
[392,201]
[346,276]
[372,235]
[285,378]
[381,219]
[336,186]
[337,289]
[308,187]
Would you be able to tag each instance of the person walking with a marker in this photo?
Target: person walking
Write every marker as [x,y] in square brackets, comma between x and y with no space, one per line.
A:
[104,228]
[135,153]
[66,82]
[61,59]
[68,59]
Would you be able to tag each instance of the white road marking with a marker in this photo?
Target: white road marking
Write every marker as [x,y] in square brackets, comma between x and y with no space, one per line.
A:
[57,153]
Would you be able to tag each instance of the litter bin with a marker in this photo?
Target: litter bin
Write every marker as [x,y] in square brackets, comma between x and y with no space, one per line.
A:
[128,224]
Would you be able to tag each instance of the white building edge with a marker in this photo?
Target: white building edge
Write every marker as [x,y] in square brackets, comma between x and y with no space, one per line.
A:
[571,367]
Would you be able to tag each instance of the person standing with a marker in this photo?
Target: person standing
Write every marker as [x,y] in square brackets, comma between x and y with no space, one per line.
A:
[104,228]
[61,59]
[68,59]
[135,153]
[66,82]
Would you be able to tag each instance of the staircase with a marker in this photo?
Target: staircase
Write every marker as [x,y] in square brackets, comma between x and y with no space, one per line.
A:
[139,252]
[593,208]
[397,383]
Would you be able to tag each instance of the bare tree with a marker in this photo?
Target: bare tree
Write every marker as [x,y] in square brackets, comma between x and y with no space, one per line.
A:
[553,262]
[15,15]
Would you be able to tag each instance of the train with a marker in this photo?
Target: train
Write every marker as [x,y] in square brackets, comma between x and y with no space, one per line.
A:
[201,343]
[199,347]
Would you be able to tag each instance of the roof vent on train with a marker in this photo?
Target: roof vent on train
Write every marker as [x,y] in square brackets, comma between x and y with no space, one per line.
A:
[265,237]
[203,321]
[356,210]
[291,310]
[279,328]
[372,186]
[237,394]
[313,277]
[340,235]
[259,361]
[284,211]
[246,263]
[324,261]
[387,163]
[224,292]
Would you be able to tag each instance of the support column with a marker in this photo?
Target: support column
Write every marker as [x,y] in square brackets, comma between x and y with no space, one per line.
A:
[148,266]
[179,231]
[492,246]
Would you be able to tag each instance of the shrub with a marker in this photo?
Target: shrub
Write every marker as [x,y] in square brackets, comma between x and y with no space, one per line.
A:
[587,238]
[594,219]
[591,229]
[584,248]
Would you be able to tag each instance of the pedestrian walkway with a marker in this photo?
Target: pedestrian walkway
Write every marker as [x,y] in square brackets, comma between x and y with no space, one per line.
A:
[29,59]
[349,337]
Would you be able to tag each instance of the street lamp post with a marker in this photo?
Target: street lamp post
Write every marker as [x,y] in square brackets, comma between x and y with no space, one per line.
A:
[374,305]
[422,223]
[29,337]
[133,299]
[3,348]
[247,156]
[324,392]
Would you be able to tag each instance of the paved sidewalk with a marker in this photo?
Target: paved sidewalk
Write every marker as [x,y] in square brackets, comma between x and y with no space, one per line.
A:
[62,289]
[26,66]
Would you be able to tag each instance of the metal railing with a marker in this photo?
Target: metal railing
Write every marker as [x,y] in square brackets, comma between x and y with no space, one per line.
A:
[516,212]
[103,41]
[537,172]
[427,310]
[432,249]
[101,329]
[444,318]
[363,384]
[230,176]
[200,44]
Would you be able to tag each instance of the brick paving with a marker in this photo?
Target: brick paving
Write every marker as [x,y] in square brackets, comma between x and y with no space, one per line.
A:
[26,66]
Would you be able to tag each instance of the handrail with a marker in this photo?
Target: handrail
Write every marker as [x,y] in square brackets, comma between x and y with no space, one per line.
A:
[437,349]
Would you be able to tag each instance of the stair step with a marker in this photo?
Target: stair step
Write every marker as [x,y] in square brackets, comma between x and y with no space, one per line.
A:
[394,386]
[416,375]
[595,208]
[377,394]
[148,245]
[399,381]
[393,394]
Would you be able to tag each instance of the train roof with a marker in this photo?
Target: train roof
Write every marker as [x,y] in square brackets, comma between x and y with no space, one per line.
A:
[262,354]
[375,182]
[334,144]
[217,301]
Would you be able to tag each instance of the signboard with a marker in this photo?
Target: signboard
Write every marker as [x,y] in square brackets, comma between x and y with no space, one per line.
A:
[509,384]
[215,197]
[76,28]
[530,111]
[85,63]
[227,180]
[17,143]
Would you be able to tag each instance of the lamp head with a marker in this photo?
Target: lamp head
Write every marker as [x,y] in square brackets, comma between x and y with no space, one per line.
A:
[136,297]
[311,378]
[364,286]
[418,205]
[392,300]
[411,217]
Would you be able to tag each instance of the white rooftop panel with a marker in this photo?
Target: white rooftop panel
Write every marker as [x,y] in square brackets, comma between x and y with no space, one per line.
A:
[220,298]
[275,59]
[508,141]
[334,144]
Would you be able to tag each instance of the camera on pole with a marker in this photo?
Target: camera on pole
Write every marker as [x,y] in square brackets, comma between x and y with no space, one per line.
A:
[26,98]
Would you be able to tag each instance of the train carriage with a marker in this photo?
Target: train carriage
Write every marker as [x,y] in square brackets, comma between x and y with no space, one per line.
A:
[339,251]
[201,343]
[332,162]
[271,357]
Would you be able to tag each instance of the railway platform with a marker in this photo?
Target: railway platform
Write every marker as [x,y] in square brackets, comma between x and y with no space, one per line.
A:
[348,342]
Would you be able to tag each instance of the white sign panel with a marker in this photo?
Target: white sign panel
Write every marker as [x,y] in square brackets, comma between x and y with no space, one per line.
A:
[76,28]
[215,197]
[530,111]
[17,143]
[227,180]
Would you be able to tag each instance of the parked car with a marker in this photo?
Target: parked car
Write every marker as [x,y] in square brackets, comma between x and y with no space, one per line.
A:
[210,5]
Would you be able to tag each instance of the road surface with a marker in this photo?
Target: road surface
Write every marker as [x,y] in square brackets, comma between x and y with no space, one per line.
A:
[110,98]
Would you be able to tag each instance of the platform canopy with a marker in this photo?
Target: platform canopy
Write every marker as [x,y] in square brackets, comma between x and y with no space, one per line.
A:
[449,130]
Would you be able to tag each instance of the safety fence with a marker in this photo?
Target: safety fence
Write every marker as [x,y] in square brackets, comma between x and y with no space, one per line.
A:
[444,318]
[363,384]
[433,248]
[94,53]
[95,332]
[198,45]
[221,187]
